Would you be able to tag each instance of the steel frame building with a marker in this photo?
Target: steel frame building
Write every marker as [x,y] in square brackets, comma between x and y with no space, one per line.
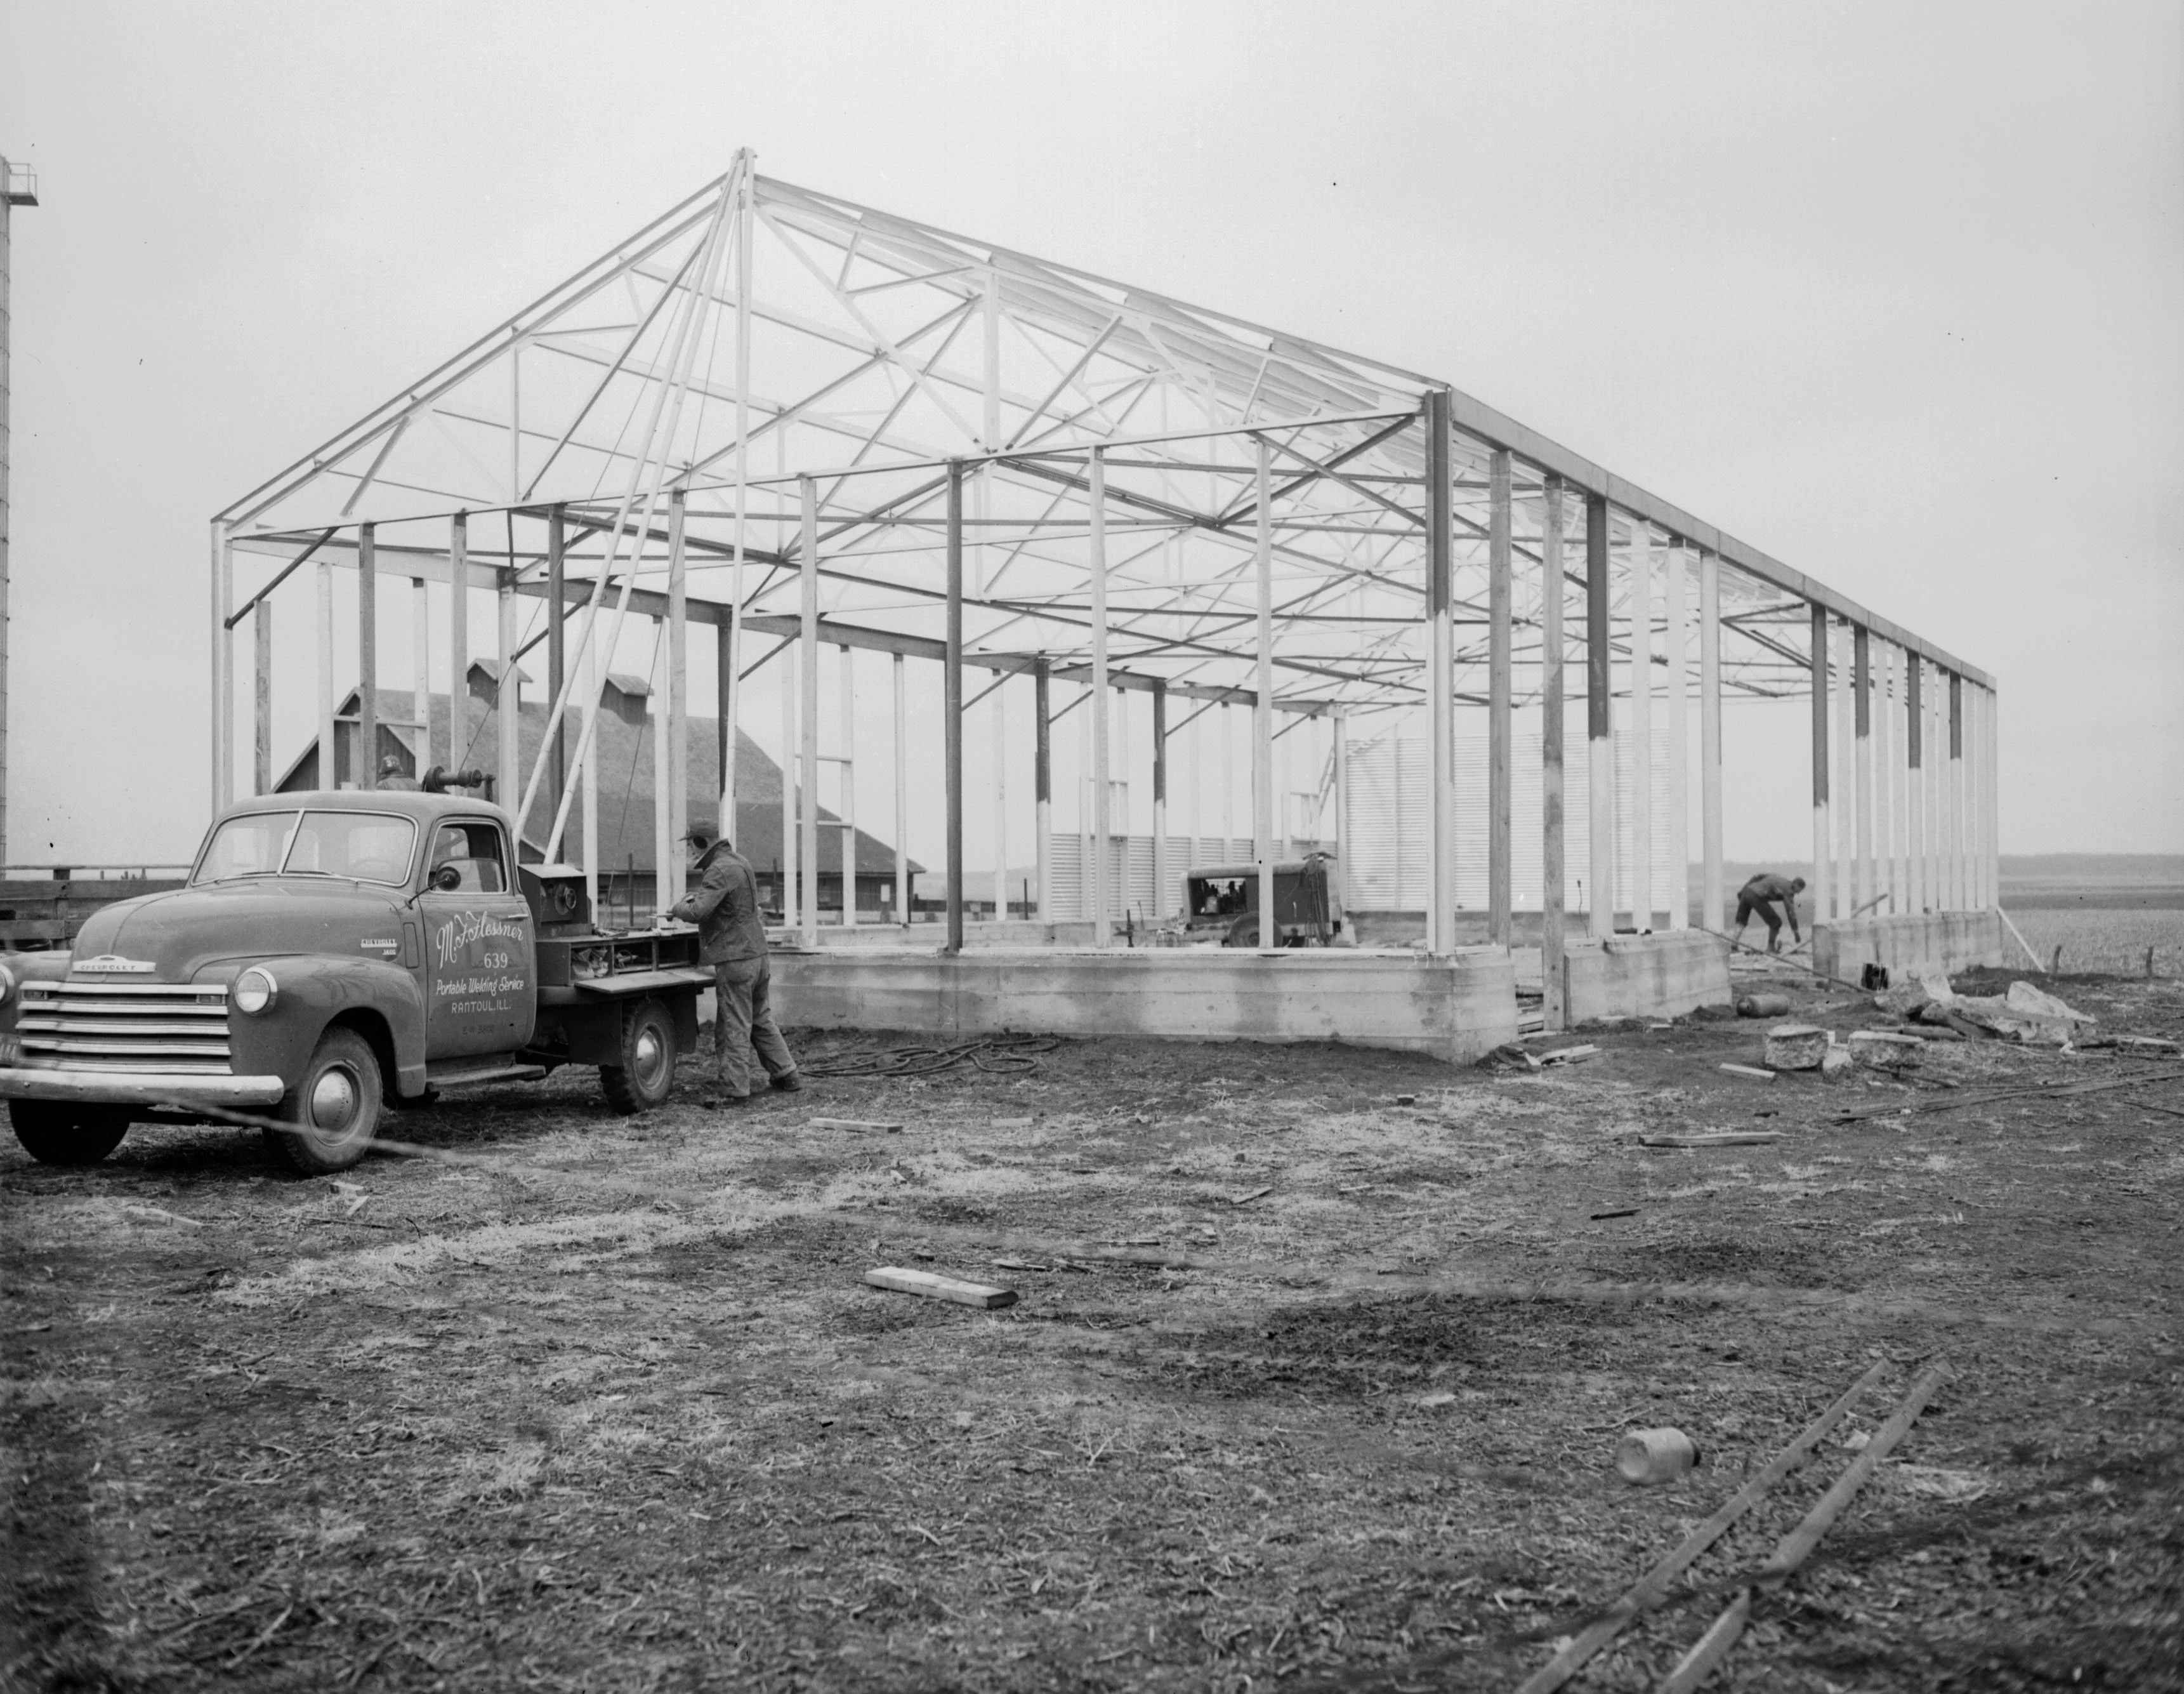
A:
[809,422]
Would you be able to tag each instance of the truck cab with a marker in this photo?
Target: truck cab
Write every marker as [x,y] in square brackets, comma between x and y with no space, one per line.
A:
[329,953]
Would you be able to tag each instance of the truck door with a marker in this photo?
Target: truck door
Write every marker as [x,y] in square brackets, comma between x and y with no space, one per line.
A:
[480,966]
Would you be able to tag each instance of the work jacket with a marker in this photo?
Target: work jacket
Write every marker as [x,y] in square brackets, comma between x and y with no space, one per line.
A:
[724,905]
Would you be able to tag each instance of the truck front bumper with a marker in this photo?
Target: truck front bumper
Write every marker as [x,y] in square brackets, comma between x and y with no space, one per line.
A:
[139,1087]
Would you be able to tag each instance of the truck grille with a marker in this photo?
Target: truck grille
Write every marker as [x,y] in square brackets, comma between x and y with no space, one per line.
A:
[123,1026]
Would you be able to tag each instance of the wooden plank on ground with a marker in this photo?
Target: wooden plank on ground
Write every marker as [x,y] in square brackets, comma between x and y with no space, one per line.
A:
[1741,1138]
[854,1125]
[931,1287]
[1650,1589]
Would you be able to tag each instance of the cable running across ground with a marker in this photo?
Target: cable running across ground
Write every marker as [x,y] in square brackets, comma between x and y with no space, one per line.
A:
[997,1055]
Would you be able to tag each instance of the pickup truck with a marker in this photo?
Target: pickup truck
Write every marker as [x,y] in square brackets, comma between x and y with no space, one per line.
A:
[329,953]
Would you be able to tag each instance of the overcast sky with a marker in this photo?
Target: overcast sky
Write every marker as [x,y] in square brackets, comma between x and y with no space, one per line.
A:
[1895,292]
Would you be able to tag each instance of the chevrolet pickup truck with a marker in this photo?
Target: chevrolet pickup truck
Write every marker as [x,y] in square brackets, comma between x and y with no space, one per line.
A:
[329,953]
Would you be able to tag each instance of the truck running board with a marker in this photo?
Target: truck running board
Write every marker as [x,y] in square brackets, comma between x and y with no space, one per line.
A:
[450,1071]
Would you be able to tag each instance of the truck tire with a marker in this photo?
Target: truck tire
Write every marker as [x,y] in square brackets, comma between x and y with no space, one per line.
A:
[646,1071]
[334,1109]
[58,1132]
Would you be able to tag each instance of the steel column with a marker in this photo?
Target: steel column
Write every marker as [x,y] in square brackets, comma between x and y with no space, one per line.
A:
[1440,675]
[1102,824]
[807,762]
[459,652]
[668,885]
[1916,798]
[1500,891]
[902,911]
[791,902]
[1714,895]
[420,675]
[1262,705]
[1600,723]
[1960,895]
[847,765]
[1042,779]
[261,763]
[329,762]
[999,693]
[367,657]
[1823,839]
[1676,585]
[1553,869]
[1162,895]
[508,694]
[952,707]
[223,642]
[1862,686]
[1843,794]
[557,656]
[1640,736]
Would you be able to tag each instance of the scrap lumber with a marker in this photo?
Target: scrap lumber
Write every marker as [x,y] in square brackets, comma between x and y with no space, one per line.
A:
[902,1280]
[2000,1095]
[1749,1070]
[1711,1648]
[855,1125]
[1649,1589]
[1795,1546]
[1739,1138]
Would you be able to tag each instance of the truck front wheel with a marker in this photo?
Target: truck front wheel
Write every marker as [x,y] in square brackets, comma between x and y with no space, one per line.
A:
[330,1115]
[646,1071]
[58,1133]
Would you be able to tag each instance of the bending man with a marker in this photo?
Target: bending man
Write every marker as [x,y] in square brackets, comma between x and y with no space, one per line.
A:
[731,939]
[1759,897]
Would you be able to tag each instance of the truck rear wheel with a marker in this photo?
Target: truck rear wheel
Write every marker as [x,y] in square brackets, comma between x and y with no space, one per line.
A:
[646,1071]
[60,1132]
[333,1113]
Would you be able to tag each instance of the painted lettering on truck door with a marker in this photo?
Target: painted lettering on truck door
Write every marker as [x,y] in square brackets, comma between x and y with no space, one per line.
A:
[480,966]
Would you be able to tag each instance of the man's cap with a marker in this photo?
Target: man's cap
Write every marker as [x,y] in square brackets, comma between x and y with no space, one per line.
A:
[698,835]
[1796,882]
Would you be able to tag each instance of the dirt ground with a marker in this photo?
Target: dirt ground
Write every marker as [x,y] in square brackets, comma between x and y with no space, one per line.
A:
[1307,1388]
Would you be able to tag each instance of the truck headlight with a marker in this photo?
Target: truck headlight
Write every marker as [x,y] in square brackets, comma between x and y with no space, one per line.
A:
[7,984]
[255,990]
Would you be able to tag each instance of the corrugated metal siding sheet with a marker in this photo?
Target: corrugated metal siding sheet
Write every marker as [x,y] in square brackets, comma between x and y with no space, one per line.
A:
[1388,834]
[1132,873]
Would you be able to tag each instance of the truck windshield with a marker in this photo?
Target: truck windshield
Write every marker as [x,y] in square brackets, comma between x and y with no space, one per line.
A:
[370,846]
[249,846]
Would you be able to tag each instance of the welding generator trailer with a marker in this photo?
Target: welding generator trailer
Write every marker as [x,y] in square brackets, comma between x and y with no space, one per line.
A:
[1222,903]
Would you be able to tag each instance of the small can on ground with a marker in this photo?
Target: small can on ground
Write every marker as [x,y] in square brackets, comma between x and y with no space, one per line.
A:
[1646,1457]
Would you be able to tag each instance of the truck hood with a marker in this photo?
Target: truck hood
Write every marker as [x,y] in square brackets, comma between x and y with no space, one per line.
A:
[180,932]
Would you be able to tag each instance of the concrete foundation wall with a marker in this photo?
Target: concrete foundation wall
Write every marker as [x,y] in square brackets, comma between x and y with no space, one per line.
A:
[1914,945]
[1627,977]
[1456,1009]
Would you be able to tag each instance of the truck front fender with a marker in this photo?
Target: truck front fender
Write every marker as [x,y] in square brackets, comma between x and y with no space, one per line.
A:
[314,991]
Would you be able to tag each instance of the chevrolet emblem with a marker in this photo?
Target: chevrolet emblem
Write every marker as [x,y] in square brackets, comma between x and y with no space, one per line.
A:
[113,963]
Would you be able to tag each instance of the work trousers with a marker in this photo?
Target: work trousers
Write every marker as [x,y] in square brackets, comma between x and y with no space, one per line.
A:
[1748,909]
[743,1027]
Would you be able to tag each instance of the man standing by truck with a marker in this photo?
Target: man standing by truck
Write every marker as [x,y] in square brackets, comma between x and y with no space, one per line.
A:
[1758,898]
[732,940]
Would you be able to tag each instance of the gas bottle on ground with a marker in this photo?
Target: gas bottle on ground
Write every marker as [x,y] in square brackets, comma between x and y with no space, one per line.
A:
[1646,1457]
